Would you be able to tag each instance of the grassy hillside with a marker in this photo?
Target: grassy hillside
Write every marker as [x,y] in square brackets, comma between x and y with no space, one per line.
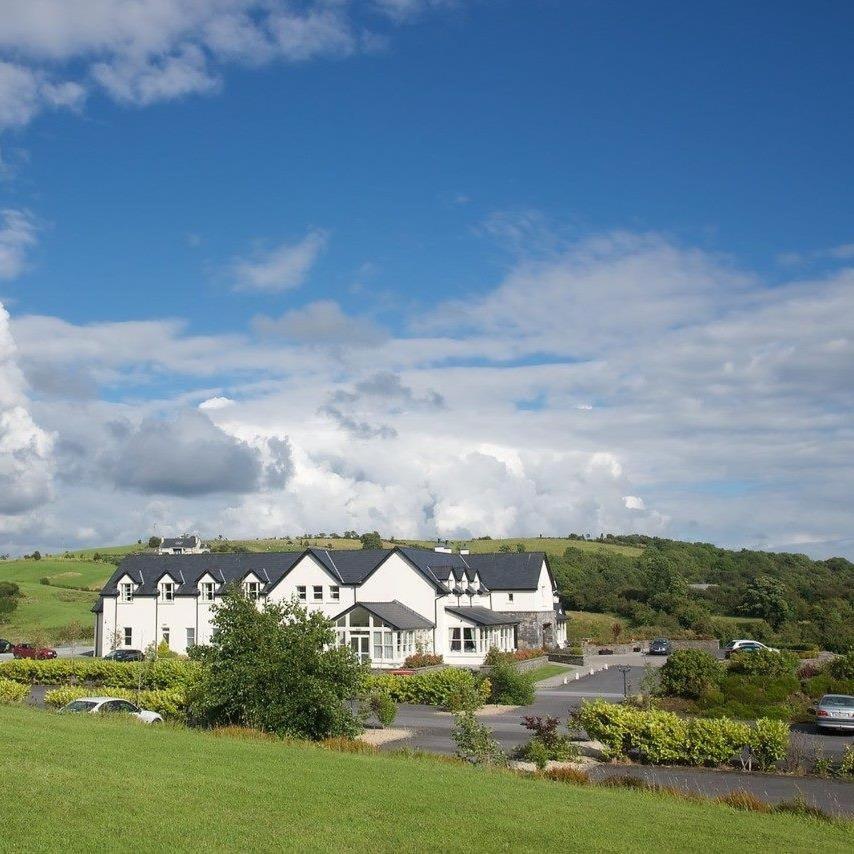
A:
[550,545]
[46,610]
[159,789]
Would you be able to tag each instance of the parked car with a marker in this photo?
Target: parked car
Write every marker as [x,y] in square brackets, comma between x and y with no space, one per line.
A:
[27,650]
[746,646]
[835,711]
[112,705]
[660,646]
[125,655]
[5,646]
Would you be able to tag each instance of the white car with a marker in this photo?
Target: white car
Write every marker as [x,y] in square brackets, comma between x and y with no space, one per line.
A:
[112,705]
[746,646]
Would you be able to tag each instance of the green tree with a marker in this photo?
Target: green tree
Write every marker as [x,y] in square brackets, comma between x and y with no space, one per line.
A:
[690,673]
[766,598]
[154,542]
[371,540]
[276,669]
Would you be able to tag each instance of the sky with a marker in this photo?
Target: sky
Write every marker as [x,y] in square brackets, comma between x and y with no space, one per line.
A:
[439,268]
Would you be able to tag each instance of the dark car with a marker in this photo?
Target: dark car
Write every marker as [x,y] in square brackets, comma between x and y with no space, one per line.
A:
[125,655]
[660,646]
[27,650]
[5,646]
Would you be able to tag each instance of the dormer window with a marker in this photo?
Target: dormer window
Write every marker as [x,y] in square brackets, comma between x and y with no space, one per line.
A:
[206,591]
[252,589]
[167,591]
[126,592]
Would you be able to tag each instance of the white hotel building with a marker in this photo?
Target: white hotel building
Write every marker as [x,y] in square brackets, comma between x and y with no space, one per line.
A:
[385,603]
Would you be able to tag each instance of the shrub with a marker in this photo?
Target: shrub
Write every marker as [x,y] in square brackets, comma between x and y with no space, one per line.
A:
[535,751]
[432,687]
[422,659]
[510,686]
[568,775]
[9,589]
[689,673]
[847,764]
[763,662]
[161,674]
[769,741]
[808,669]
[171,704]
[660,737]
[842,667]
[475,743]
[824,683]
[546,741]
[384,708]
[12,692]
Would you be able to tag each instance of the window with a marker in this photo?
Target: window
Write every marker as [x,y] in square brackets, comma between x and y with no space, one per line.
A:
[317,593]
[167,592]
[128,636]
[456,640]
[509,597]
[252,589]
[164,634]
[469,642]
[207,591]
[334,592]
[126,592]
[301,594]
[191,637]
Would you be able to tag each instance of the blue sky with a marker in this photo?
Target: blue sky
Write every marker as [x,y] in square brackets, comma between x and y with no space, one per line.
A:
[515,214]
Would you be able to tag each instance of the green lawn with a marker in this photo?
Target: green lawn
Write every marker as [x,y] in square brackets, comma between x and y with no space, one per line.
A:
[119,786]
[546,671]
[45,609]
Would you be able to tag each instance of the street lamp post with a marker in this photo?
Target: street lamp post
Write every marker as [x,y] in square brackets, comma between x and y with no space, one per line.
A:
[625,670]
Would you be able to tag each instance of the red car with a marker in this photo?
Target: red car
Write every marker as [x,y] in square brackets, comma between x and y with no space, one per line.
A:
[27,650]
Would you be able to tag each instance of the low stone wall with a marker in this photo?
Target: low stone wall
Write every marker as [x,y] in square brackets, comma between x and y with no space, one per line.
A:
[527,664]
[708,644]
[566,658]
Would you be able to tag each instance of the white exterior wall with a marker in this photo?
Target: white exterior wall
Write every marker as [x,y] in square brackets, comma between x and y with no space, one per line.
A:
[394,579]
[310,572]
[541,599]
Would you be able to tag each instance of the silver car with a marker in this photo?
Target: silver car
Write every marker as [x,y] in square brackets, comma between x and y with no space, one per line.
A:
[112,705]
[835,711]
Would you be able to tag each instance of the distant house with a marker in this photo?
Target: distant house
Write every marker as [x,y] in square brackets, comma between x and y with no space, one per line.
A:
[186,544]
[384,603]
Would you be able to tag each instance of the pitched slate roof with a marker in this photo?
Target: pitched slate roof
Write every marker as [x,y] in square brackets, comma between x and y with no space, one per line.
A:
[350,567]
[482,616]
[394,613]
[187,570]
[187,541]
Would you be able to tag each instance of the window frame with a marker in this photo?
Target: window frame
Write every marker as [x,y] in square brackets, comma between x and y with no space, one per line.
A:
[207,591]
[127,636]
[126,590]
[334,593]
[302,593]
[167,591]
[316,592]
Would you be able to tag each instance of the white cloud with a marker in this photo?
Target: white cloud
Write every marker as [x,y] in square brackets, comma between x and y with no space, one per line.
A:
[143,51]
[280,269]
[322,322]
[26,461]
[17,236]
[663,372]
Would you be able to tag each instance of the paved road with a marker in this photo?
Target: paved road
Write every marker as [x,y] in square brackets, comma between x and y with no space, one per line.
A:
[432,732]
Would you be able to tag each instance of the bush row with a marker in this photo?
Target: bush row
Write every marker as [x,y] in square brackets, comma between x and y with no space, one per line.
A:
[12,692]
[153,675]
[432,688]
[170,703]
[663,737]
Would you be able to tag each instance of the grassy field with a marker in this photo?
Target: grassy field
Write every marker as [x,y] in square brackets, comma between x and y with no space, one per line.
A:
[44,610]
[146,789]
[546,671]
[550,545]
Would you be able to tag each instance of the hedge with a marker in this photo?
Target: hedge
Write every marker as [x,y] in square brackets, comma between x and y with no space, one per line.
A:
[171,704]
[662,737]
[154,675]
[430,688]
[12,692]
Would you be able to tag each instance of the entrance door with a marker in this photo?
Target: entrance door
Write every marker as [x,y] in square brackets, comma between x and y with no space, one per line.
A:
[360,644]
